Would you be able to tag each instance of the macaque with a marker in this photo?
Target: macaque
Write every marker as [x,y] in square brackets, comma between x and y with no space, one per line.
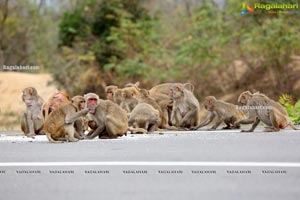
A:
[262,108]
[144,117]
[58,99]
[79,124]
[111,119]
[59,125]
[110,90]
[223,111]
[186,108]
[117,97]
[129,98]
[161,106]
[32,120]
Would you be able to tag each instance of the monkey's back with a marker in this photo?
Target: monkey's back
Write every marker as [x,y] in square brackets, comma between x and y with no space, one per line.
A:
[230,109]
[55,122]
[119,114]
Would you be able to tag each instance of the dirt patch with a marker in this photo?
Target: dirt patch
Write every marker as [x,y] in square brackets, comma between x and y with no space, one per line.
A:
[11,86]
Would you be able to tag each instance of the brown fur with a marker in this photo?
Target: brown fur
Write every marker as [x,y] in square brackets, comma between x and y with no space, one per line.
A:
[109,91]
[59,125]
[186,108]
[275,118]
[223,111]
[145,118]
[129,98]
[32,120]
[110,118]
[58,99]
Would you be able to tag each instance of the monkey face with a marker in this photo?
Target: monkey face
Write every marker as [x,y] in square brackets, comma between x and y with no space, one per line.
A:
[91,104]
[109,95]
[81,104]
[243,98]
[29,96]
[171,92]
[28,101]
[176,92]
[209,103]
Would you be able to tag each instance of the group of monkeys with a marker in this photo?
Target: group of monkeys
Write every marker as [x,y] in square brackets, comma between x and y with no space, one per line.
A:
[171,106]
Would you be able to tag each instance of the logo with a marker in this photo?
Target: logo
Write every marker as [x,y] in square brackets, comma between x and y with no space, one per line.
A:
[246,9]
[271,8]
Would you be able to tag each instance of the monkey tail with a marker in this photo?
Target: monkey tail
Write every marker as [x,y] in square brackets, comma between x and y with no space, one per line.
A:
[51,139]
[293,126]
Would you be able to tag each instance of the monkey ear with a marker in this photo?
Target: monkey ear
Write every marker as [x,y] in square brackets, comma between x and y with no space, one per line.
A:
[189,87]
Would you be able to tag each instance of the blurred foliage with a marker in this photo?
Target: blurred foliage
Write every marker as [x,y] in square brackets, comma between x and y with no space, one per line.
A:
[88,44]
[292,108]
[28,34]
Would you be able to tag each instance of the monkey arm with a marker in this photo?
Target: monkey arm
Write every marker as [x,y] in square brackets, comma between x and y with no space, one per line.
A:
[208,120]
[189,115]
[251,119]
[217,124]
[74,116]
[256,122]
[29,123]
[174,117]
[244,121]
[97,132]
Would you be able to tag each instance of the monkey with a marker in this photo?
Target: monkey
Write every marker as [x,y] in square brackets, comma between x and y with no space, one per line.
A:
[165,88]
[129,98]
[225,112]
[186,108]
[161,93]
[58,99]
[111,119]
[79,124]
[262,108]
[32,121]
[161,106]
[145,118]
[109,90]
[117,96]
[59,125]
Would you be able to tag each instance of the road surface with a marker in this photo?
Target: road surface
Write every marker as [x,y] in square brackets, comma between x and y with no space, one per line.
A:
[174,165]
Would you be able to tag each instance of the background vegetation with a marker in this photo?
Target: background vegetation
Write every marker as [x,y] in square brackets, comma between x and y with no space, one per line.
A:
[87,44]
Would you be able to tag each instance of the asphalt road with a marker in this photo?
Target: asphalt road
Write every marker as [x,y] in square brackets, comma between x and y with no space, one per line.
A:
[173,165]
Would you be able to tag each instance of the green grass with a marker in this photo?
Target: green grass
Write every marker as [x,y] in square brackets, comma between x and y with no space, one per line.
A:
[293,109]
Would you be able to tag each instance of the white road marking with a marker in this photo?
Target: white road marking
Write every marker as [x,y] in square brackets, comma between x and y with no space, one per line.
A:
[149,163]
